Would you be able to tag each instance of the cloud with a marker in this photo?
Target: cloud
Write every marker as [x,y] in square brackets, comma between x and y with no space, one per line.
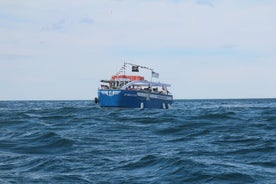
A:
[169,34]
[205,2]
[229,46]
[63,24]
[87,20]
[9,57]
[56,26]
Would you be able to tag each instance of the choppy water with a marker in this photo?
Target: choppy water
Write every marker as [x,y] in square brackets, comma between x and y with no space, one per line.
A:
[197,141]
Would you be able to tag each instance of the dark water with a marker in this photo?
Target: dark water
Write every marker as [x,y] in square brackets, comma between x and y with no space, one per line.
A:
[197,141]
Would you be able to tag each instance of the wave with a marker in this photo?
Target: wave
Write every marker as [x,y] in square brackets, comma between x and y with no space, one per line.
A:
[196,141]
[37,143]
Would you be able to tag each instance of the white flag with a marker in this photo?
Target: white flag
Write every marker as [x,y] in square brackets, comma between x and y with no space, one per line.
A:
[154,74]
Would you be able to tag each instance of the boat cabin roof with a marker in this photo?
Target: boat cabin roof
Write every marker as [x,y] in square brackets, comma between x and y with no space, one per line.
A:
[145,83]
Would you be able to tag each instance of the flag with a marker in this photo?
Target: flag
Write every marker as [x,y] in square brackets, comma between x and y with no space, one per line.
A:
[135,68]
[154,74]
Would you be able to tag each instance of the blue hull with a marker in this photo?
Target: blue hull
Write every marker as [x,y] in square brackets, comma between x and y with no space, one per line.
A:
[133,99]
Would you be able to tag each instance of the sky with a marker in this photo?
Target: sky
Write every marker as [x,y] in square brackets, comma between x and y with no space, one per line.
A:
[60,50]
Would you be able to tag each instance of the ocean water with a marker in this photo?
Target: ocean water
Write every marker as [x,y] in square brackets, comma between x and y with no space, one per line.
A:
[196,141]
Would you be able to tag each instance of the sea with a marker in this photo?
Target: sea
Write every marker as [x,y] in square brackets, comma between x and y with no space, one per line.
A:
[196,141]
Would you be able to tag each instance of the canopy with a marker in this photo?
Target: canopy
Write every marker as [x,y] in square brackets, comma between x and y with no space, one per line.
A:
[145,83]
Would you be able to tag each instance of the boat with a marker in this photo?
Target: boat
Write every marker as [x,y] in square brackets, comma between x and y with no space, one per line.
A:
[133,91]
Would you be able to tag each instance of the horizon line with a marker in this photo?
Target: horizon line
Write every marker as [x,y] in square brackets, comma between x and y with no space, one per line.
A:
[177,99]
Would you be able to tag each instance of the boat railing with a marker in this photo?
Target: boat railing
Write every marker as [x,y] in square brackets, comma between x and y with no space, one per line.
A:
[149,90]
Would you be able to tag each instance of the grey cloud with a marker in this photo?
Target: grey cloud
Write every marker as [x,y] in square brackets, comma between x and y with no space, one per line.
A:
[56,26]
[87,20]
[205,2]
[8,57]
[63,24]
